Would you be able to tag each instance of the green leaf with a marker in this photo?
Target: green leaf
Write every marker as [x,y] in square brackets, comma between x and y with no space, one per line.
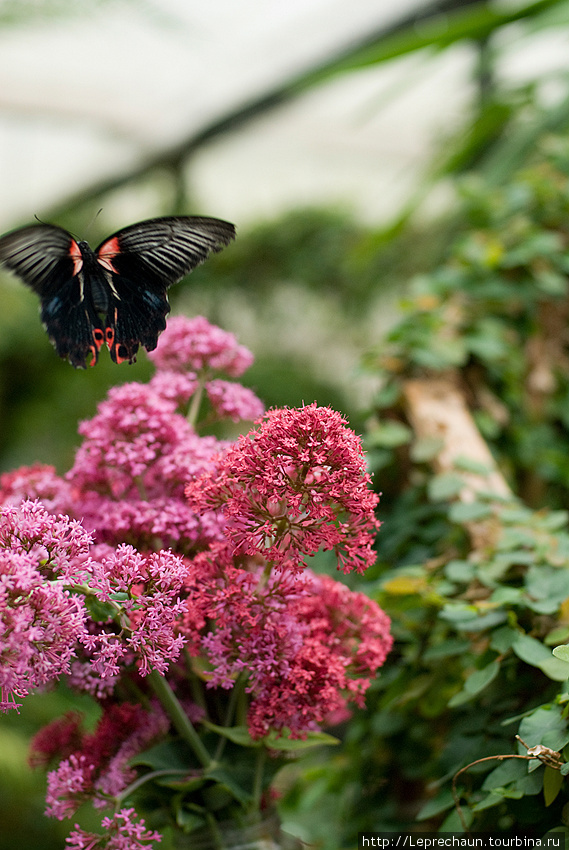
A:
[535,653]
[468,464]
[507,771]
[480,679]
[389,434]
[468,619]
[460,571]
[227,784]
[444,486]
[426,448]
[438,804]
[469,511]
[238,734]
[475,683]
[548,587]
[544,726]
[552,782]
[313,739]
[562,652]
[503,639]
[446,649]
[166,755]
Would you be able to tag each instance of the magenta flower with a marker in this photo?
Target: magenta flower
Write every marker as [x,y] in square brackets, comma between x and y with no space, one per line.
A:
[98,768]
[130,471]
[69,786]
[195,345]
[233,401]
[124,831]
[38,481]
[307,644]
[144,592]
[294,486]
[40,620]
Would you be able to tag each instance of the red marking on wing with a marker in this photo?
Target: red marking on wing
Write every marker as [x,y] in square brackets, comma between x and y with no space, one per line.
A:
[98,337]
[107,252]
[76,256]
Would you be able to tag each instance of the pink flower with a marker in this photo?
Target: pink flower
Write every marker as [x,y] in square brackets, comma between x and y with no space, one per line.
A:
[307,645]
[41,622]
[178,387]
[144,592]
[345,641]
[123,831]
[129,474]
[195,345]
[294,486]
[98,768]
[38,481]
[69,786]
[233,401]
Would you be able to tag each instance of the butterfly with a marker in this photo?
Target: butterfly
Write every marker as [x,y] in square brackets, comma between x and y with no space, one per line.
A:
[117,293]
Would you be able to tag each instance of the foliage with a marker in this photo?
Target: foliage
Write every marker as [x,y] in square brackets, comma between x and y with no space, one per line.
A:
[476,576]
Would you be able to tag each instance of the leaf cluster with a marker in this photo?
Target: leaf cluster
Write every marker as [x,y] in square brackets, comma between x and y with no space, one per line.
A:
[478,585]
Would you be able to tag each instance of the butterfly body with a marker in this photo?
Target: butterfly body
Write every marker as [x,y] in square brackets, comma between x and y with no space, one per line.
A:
[117,294]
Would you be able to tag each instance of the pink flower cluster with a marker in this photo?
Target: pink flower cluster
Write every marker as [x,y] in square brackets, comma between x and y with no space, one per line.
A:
[161,538]
[95,766]
[307,644]
[294,486]
[40,619]
[124,831]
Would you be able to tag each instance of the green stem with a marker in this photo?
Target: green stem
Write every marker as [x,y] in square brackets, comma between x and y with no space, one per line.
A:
[179,718]
[258,782]
[215,832]
[234,695]
[147,777]
[195,403]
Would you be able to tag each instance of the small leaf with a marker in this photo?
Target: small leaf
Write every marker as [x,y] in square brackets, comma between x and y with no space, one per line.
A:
[480,679]
[562,652]
[468,464]
[426,448]
[535,653]
[445,486]
[404,585]
[469,511]
[313,739]
[389,434]
[552,782]
[238,734]
[438,804]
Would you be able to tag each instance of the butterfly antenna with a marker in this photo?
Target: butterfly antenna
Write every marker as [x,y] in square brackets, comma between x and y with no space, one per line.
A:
[92,222]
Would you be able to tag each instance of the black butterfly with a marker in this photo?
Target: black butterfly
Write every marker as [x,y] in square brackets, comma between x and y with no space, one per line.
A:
[116,294]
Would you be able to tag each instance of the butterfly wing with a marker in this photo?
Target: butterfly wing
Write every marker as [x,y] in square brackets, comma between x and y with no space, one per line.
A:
[144,260]
[48,259]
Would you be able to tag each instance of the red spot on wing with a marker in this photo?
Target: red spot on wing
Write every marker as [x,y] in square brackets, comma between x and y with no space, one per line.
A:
[107,252]
[76,256]
[98,337]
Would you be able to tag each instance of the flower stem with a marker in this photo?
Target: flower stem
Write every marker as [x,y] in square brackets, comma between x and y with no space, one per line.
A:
[258,786]
[179,718]
[193,412]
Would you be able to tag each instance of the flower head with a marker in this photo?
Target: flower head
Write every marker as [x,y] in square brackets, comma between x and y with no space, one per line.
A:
[307,645]
[129,473]
[197,346]
[294,486]
[41,622]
